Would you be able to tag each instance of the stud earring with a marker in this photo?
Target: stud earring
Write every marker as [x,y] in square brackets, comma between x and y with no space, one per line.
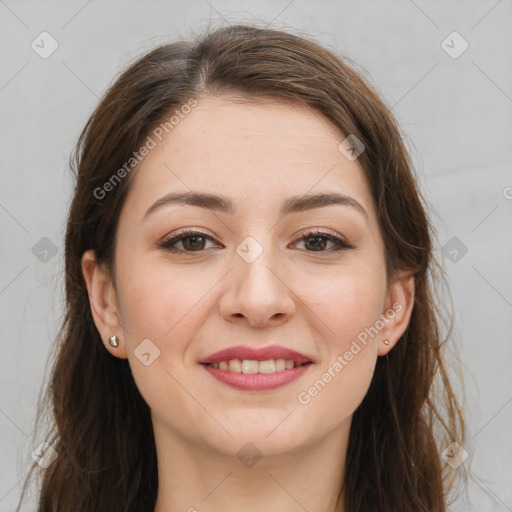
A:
[113,341]
[386,342]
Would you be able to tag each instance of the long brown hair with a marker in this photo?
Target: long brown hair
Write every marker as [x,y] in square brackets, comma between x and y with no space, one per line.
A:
[101,427]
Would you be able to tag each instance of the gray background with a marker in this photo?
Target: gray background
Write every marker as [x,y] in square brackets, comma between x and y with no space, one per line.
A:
[457,113]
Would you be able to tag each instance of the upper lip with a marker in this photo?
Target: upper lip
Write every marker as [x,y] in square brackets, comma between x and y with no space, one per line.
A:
[258,354]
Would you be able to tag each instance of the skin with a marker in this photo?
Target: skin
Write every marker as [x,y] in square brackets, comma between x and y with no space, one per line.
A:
[192,304]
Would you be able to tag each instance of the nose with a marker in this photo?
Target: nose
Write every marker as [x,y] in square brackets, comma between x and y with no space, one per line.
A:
[258,294]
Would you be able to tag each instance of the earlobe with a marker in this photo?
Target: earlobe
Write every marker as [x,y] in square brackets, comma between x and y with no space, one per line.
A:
[398,310]
[103,302]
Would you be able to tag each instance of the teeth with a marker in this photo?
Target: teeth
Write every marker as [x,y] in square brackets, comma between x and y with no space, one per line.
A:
[267,366]
[280,365]
[250,366]
[235,365]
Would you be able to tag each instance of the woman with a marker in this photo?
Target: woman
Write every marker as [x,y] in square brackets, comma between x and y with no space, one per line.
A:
[250,317]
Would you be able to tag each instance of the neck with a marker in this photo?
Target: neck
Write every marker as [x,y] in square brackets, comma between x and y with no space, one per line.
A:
[194,477]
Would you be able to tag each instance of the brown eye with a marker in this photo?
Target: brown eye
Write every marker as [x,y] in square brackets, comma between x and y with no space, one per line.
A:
[195,241]
[191,241]
[316,241]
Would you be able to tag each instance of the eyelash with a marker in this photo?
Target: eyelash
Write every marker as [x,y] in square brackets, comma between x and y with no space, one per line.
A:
[340,244]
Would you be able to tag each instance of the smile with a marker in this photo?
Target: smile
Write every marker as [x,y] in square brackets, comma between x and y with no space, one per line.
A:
[247,379]
[251,366]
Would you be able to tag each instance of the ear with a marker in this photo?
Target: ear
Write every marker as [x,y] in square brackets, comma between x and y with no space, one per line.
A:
[398,309]
[103,302]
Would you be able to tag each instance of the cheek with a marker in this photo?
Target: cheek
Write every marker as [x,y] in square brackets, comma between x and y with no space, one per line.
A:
[160,301]
[344,301]
[167,307]
[346,304]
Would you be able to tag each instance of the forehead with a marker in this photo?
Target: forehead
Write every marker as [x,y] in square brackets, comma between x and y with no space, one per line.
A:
[258,152]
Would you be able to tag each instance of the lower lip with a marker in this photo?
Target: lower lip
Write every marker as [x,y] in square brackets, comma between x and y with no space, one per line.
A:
[257,381]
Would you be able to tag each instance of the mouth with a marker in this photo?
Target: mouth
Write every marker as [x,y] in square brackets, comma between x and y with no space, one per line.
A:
[252,366]
[249,369]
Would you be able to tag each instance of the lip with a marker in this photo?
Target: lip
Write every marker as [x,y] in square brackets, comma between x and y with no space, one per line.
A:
[257,354]
[257,381]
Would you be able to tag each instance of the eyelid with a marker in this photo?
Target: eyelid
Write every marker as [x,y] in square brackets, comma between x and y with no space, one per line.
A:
[189,232]
[339,241]
[168,241]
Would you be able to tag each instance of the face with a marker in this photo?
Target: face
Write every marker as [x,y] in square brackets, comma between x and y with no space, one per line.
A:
[263,268]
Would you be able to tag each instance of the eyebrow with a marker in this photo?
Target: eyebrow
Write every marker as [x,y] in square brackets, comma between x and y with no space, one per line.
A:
[293,204]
